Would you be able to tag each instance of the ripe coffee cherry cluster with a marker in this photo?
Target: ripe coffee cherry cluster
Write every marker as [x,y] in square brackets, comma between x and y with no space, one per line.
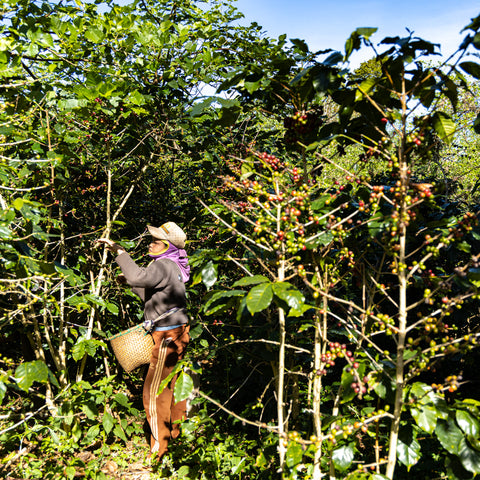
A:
[336,351]
[434,325]
[346,254]
[465,225]
[375,196]
[279,196]
[451,384]
[300,124]
[413,139]
[271,161]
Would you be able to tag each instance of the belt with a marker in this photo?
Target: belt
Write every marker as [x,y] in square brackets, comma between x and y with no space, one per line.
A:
[167,327]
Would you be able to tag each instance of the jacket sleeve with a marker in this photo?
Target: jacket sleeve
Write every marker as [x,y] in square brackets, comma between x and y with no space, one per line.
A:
[140,292]
[153,276]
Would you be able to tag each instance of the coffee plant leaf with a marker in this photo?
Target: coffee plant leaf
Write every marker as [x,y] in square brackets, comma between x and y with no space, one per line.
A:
[112,308]
[472,68]
[85,346]
[3,390]
[29,372]
[469,457]
[221,301]
[259,298]
[408,449]
[426,417]
[468,424]
[209,274]
[294,454]
[255,280]
[286,292]
[449,435]
[444,126]
[183,387]
[343,457]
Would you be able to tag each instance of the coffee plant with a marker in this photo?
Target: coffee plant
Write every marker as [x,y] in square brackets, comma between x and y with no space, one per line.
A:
[335,269]
[367,286]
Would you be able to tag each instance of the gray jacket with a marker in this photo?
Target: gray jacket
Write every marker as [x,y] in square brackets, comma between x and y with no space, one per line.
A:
[159,285]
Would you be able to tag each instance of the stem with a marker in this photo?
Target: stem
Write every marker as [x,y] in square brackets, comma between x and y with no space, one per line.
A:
[402,304]
[319,348]
[281,352]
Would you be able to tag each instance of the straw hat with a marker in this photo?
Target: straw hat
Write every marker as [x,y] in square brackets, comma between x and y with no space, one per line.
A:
[169,231]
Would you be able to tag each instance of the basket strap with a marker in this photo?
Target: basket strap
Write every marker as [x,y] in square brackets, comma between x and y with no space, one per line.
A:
[149,324]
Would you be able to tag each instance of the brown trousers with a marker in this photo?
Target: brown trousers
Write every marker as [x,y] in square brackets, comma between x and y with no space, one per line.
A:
[163,414]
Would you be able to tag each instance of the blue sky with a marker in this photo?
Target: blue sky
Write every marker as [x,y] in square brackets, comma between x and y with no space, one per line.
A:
[328,23]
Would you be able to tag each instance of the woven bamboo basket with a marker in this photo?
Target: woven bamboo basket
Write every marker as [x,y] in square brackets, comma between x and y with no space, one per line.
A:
[132,347]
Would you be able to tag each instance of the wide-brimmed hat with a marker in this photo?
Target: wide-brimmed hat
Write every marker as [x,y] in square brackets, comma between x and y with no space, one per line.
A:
[169,231]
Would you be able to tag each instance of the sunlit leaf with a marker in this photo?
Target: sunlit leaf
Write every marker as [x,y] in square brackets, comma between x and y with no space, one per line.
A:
[343,457]
[469,424]
[107,422]
[444,126]
[28,372]
[183,387]
[209,274]
[259,298]
[254,280]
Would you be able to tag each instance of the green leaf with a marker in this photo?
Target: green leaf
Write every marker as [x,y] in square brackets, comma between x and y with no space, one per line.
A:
[112,308]
[85,346]
[70,472]
[469,424]
[5,233]
[3,390]
[94,34]
[289,294]
[122,400]
[96,300]
[354,41]
[29,372]
[183,387]
[444,126]
[294,454]
[90,410]
[426,417]
[428,407]
[300,44]
[18,203]
[255,280]
[137,98]
[469,457]
[343,457]
[217,301]
[209,274]
[92,434]
[449,435]
[199,107]
[408,451]
[107,422]
[259,298]
[118,431]
[365,88]
[472,68]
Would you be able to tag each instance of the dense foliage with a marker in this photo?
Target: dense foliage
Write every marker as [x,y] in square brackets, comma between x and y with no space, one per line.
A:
[334,299]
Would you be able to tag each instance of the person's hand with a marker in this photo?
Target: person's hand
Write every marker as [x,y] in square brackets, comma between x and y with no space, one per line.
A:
[111,245]
[121,279]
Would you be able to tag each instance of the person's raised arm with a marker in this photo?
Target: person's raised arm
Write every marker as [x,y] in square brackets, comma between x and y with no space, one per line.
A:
[111,246]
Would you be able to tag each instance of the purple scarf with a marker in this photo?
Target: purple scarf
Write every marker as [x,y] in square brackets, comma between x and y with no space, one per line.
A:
[179,256]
